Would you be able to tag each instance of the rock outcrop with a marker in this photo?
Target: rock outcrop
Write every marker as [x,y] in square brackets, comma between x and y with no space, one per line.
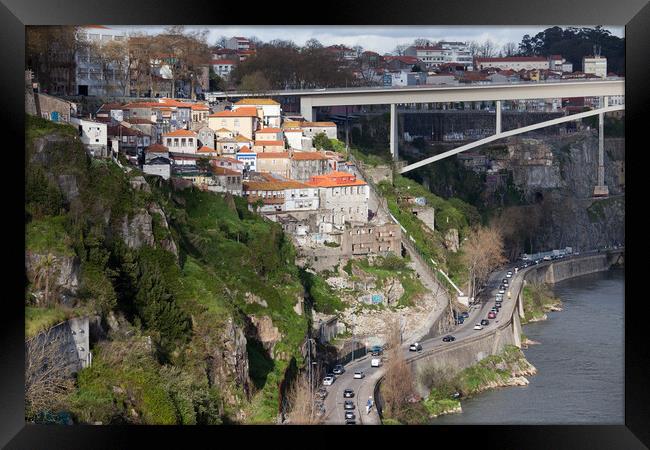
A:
[138,230]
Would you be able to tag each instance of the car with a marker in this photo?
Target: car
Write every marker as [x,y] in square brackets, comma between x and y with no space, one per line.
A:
[376,350]
[464,315]
[460,320]
[415,347]
[492,315]
[478,326]
[349,415]
[349,404]
[327,381]
[350,422]
[485,322]
[338,369]
[502,291]
[375,362]
[505,282]
[448,338]
[348,393]
[359,375]
[547,258]
[496,308]
[509,274]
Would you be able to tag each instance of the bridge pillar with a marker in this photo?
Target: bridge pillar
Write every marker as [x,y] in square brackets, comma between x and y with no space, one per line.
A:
[498,124]
[393,131]
[306,109]
[601,190]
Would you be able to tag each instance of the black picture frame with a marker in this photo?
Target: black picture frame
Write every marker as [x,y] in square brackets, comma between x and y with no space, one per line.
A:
[16,14]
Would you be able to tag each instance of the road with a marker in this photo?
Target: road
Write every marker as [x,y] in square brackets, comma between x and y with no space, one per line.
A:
[364,388]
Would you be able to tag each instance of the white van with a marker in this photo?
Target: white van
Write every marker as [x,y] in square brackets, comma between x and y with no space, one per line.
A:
[375,362]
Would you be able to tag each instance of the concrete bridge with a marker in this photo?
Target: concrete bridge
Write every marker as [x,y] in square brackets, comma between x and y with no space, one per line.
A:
[393,96]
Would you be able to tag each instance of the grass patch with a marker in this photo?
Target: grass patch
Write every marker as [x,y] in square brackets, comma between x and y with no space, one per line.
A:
[48,235]
[40,319]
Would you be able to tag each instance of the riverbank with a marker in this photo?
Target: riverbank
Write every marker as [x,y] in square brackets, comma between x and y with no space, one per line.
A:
[509,368]
[538,300]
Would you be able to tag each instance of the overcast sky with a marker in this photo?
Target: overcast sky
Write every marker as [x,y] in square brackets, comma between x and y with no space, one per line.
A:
[381,39]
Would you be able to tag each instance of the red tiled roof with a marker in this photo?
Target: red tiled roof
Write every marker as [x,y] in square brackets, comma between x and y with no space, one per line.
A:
[245,149]
[308,156]
[511,59]
[240,112]
[335,179]
[268,143]
[156,148]
[224,171]
[269,155]
[269,130]
[206,149]
[181,133]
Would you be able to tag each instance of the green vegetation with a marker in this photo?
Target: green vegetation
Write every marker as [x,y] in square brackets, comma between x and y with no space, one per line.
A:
[598,209]
[186,305]
[323,297]
[538,299]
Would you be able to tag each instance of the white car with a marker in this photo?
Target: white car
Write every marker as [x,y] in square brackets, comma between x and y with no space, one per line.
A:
[415,347]
[502,291]
[327,381]
[375,362]
[478,326]
[359,374]
[509,275]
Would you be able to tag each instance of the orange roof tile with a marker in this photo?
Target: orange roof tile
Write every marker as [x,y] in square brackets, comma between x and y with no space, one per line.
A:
[269,130]
[308,156]
[257,101]
[156,148]
[240,112]
[317,124]
[245,149]
[335,179]
[181,133]
[224,171]
[206,149]
[269,155]
[268,143]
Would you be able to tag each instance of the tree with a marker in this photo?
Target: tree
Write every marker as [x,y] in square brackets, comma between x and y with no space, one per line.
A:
[45,269]
[203,164]
[482,253]
[509,49]
[114,60]
[322,142]
[400,50]
[487,49]
[313,43]
[397,386]
[47,378]
[255,82]
[302,403]
[422,42]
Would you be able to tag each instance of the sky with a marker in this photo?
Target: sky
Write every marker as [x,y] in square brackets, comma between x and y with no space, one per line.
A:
[381,39]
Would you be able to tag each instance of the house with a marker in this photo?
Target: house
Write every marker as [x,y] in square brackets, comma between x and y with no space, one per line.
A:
[269,110]
[441,78]
[200,112]
[156,161]
[276,163]
[268,146]
[242,121]
[239,43]
[93,134]
[343,198]
[311,129]
[372,240]
[223,67]
[407,78]
[226,180]
[206,152]
[206,136]
[248,158]
[430,55]
[305,165]
[110,111]
[94,76]
[130,141]
[294,138]
[227,146]
[268,134]
[596,65]
[148,127]
[224,133]
[402,62]
[181,141]
[227,163]
[512,62]
[278,195]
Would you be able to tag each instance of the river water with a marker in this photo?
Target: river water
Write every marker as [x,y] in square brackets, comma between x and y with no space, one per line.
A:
[579,361]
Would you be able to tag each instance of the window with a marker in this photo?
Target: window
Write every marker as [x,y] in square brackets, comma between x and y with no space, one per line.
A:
[175,142]
[190,141]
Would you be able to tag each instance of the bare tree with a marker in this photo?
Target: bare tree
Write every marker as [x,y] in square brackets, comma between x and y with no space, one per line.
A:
[509,49]
[482,253]
[397,386]
[400,50]
[302,403]
[47,379]
[44,271]
[474,48]
[487,49]
[422,42]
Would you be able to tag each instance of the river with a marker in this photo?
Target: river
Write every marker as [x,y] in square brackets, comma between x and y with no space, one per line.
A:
[579,361]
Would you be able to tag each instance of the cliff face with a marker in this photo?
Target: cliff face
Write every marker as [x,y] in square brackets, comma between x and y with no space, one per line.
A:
[557,175]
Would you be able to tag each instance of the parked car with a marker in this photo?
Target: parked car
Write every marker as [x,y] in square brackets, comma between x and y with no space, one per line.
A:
[448,338]
[478,326]
[338,369]
[415,347]
[485,322]
[349,415]
[505,282]
[327,381]
[492,315]
[349,404]
[509,274]
[375,362]
[359,374]
[460,320]
[464,314]
[348,393]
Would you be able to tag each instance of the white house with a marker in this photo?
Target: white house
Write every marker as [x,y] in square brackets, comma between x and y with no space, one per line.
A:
[596,65]
[248,158]
[271,111]
[181,141]
[93,134]
[223,67]
[343,197]
[90,78]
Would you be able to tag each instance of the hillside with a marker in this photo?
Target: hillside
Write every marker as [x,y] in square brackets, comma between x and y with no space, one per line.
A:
[198,304]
